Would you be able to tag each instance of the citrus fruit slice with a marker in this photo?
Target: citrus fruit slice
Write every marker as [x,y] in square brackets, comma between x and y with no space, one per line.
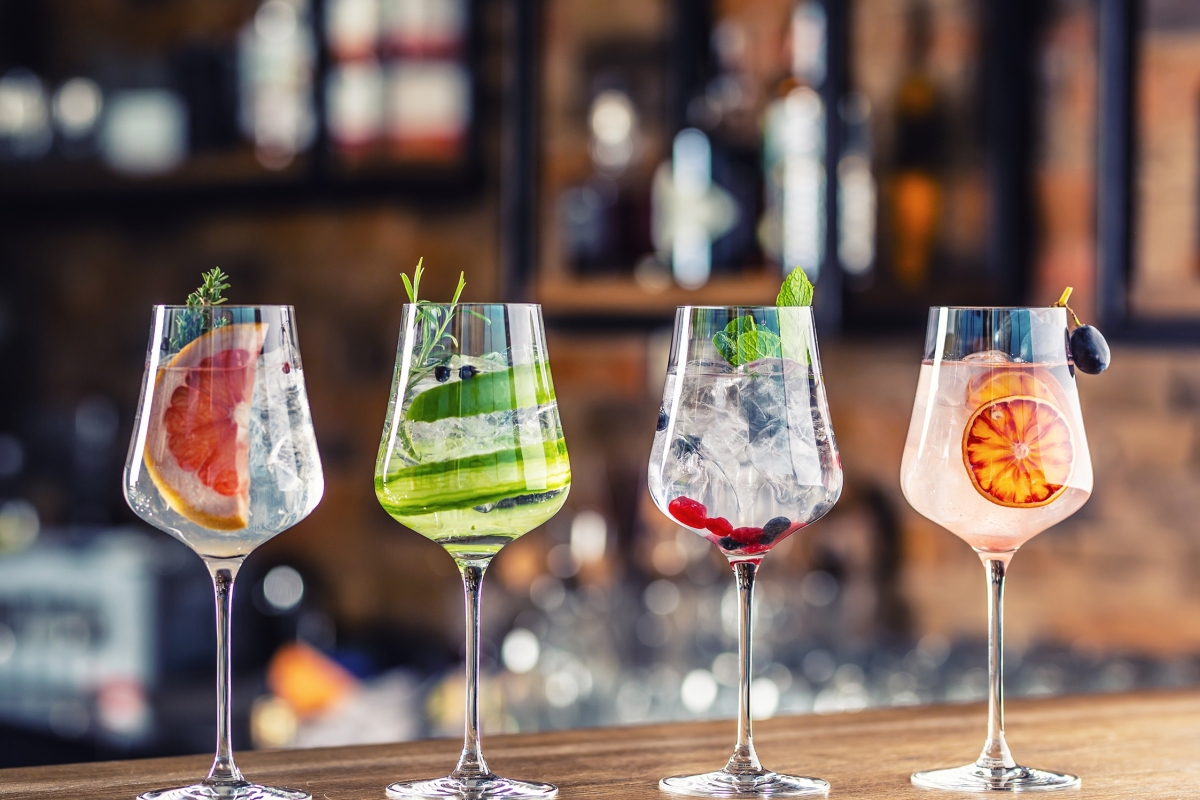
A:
[198,442]
[1023,380]
[1018,451]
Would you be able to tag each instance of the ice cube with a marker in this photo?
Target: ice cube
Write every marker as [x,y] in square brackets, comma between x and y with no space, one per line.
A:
[278,415]
[988,357]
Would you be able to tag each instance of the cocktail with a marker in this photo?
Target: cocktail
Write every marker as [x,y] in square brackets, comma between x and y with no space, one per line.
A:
[472,457]
[223,458]
[996,454]
[744,455]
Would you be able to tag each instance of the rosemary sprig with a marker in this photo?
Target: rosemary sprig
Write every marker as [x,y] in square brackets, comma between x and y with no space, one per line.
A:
[435,322]
[198,319]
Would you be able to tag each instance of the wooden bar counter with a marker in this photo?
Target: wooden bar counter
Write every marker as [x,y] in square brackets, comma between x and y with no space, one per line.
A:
[1142,746]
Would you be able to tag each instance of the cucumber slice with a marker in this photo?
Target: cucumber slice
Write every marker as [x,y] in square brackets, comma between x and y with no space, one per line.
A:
[475,480]
[504,390]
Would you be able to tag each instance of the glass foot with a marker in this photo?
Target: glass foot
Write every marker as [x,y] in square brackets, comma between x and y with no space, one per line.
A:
[229,791]
[755,784]
[974,778]
[474,789]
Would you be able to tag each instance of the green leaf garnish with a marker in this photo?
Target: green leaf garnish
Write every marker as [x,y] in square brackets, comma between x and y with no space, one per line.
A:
[744,340]
[797,290]
[194,323]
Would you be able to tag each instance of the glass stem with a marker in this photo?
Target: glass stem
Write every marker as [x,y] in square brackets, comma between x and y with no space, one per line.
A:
[471,765]
[995,755]
[224,772]
[744,760]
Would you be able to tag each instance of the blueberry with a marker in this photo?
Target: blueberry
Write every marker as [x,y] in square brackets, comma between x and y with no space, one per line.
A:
[774,529]
[684,446]
[442,373]
[467,372]
[1089,350]
[662,420]
[728,543]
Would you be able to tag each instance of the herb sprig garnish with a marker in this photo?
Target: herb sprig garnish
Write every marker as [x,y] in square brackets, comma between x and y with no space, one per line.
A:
[434,321]
[744,340]
[212,283]
[198,319]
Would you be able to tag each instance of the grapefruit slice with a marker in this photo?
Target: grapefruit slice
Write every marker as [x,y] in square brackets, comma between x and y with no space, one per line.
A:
[198,441]
[1019,452]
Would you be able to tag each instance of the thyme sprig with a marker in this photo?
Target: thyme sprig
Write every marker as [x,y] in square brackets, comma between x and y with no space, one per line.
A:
[212,283]
[198,318]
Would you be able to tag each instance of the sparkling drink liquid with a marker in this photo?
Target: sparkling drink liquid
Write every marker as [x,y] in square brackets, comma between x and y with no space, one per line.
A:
[973,406]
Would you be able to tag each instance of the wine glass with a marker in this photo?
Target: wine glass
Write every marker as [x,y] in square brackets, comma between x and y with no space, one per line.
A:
[744,455]
[223,458]
[996,454]
[472,457]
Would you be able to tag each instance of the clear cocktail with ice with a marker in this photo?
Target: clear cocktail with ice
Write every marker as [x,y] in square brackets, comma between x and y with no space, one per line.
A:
[744,455]
[223,458]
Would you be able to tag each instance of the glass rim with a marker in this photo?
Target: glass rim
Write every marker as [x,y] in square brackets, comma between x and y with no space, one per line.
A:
[221,307]
[476,305]
[997,308]
[727,308]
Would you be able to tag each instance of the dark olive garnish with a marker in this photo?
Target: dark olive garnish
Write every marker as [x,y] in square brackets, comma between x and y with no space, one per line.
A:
[1090,350]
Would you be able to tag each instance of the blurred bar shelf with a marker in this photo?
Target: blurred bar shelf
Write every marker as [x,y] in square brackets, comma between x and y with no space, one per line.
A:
[624,297]
[1134,745]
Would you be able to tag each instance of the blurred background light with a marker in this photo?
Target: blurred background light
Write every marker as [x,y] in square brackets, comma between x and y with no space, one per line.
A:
[283,588]
[355,97]
[589,537]
[276,57]
[352,27]
[19,525]
[613,123]
[77,107]
[698,691]
[520,650]
[144,132]
[25,131]
[427,100]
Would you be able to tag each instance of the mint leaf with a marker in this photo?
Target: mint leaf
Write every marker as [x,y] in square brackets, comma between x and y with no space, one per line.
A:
[797,290]
[727,346]
[743,341]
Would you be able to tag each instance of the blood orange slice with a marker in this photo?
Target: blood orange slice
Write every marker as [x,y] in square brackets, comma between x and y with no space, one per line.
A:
[197,443]
[1019,452]
[1001,382]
